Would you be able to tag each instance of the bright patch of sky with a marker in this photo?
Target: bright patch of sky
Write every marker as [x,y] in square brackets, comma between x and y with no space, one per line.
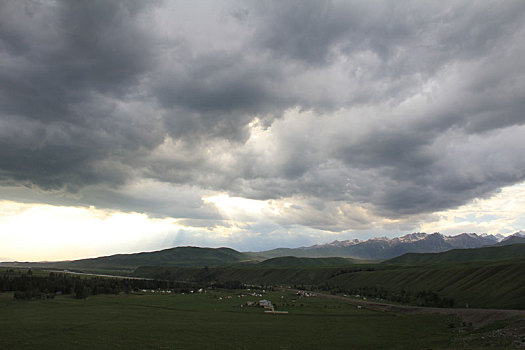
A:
[503,213]
[34,232]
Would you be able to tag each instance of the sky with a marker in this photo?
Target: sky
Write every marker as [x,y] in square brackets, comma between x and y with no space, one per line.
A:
[129,126]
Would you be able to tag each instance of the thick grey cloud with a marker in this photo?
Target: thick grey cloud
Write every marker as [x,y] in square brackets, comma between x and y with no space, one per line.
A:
[67,86]
[401,108]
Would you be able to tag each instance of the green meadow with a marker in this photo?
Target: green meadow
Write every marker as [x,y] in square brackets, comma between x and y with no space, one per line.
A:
[109,313]
[212,320]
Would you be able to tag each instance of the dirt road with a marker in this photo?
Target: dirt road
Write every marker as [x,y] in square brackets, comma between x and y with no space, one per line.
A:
[478,317]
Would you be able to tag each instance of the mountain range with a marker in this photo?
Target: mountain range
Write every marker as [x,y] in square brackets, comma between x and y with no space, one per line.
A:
[384,248]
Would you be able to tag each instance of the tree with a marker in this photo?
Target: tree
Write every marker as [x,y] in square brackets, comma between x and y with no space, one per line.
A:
[81,291]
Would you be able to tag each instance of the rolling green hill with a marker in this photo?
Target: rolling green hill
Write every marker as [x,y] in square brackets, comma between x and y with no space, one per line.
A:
[462,255]
[179,256]
[305,262]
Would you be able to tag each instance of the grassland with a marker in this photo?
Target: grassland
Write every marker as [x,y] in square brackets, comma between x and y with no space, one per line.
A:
[484,278]
[211,320]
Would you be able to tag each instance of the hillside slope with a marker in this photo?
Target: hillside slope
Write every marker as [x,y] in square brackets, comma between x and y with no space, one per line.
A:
[462,255]
[482,284]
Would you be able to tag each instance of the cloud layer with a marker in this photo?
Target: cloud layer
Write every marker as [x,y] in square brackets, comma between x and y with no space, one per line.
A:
[340,114]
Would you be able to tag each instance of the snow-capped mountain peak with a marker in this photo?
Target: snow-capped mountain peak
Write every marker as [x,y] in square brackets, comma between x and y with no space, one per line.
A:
[384,238]
[499,237]
[336,243]
[520,234]
[413,237]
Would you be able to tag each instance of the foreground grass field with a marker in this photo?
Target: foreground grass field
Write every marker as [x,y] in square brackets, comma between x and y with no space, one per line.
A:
[212,320]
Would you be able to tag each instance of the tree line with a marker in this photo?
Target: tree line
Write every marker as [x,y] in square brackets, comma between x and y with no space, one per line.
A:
[27,285]
[426,298]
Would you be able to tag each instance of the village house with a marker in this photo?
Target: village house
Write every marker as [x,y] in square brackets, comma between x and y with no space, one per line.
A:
[265,303]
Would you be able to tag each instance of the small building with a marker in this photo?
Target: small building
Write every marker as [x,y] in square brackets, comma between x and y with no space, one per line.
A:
[265,303]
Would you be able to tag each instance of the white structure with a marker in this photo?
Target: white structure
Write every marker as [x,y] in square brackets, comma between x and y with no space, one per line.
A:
[265,303]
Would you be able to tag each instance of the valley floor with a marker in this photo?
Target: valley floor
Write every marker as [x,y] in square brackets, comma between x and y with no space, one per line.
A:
[222,319]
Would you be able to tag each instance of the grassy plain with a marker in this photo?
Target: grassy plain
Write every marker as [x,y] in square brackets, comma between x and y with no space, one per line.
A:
[212,321]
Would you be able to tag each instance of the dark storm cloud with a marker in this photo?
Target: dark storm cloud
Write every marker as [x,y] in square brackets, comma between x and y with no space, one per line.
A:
[399,107]
[217,96]
[304,31]
[68,70]
[55,56]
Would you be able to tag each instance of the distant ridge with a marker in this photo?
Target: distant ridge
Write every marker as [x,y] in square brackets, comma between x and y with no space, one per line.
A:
[305,262]
[179,256]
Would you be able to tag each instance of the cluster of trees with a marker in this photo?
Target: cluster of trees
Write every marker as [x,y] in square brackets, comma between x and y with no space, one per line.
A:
[229,284]
[27,285]
[420,298]
[351,270]
[201,277]
[430,298]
